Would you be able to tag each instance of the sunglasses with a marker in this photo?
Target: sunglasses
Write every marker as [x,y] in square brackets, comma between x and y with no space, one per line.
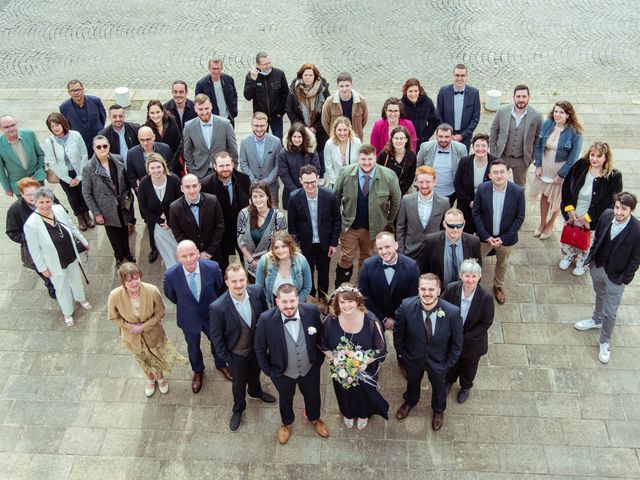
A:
[455,225]
[101,147]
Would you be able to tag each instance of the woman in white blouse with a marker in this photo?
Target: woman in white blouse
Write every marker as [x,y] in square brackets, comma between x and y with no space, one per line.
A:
[342,148]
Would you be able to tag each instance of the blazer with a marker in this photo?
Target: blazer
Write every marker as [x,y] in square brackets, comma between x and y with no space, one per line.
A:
[463,180]
[136,168]
[130,136]
[171,136]
[479,318]
[229,92]
[332,109]
[198,157]
[270,343]
[410,234]
[192,315]
[11,169]
[265,169]
[243,233]
[405,171]
[410,337]
[189,112]
[226,324]
[267,272]
[152,311]
[431,255]
[96,116]
[470,110]
[569,145]
[333,159]
[240,187]
[75,150]
[289,165]
[380,133]
[154,210]
[532,123]
[625,257]
[427,154]
[43,252]
[208,232]
[383,299]
[512,213]
[328,223]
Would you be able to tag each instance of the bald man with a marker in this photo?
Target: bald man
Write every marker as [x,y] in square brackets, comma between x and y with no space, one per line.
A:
[137,156]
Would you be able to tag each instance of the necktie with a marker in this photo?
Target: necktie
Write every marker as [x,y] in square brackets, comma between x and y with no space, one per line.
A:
[365,187]
[454,262]
[428,326]
[193,286]
[290,319]
[230,192]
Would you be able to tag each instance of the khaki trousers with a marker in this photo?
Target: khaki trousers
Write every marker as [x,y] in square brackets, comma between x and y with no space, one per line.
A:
[502,257]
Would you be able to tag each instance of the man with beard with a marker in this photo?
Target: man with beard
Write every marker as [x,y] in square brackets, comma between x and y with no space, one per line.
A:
[220,89]
[85,113]
[180,106]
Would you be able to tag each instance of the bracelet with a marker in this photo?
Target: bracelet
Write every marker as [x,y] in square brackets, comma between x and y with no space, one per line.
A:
[252,260]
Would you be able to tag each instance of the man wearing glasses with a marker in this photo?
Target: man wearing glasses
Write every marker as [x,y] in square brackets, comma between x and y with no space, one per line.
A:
[498,213]
[85,113]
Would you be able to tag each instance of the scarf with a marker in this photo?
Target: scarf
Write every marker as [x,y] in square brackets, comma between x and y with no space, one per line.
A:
[309,98]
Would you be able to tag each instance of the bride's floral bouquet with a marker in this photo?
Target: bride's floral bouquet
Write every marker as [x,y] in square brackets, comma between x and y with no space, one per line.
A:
[349,364]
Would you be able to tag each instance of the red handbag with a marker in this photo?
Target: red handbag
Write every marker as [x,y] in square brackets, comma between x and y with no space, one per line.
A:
[575,236]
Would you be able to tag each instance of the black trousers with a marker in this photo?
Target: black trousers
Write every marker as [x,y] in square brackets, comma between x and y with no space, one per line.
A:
[438,389]
[246,373]
[309,386]
[465,369]
[152,241]
[452,198]
[318,260]
[74,195]
[119,240]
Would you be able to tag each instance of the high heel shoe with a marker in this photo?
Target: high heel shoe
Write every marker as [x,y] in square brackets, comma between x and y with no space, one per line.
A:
[537,232]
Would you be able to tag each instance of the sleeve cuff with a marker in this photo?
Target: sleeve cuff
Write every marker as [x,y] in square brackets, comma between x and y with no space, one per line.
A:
[587,217]
[569,208]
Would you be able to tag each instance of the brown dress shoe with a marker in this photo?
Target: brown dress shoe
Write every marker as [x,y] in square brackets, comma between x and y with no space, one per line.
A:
[82,223]
[226,372]
[132,229]
[89,220]
[284,432]
[196,382]
[437,421]
[321,428]
[403,411]
[498,292]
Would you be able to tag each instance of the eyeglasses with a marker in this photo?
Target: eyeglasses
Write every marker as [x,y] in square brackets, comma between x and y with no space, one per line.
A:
[454,225]
[101,147]
[310,183]
[392,111]
[404,139]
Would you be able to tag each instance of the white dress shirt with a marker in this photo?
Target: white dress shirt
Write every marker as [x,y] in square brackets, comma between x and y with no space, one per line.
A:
[293,327]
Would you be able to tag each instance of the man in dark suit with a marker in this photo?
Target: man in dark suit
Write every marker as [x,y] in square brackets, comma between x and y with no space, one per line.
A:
[443,252]
[314,220]
[193,284]
[387,279]
[476,309]
[198,217]
[458,105]
[234,316]
[180,106]
[220,89]
[286,344]
[85,113]
[231,188]
[498,212]
[137,156]
[427,337]
[613,261]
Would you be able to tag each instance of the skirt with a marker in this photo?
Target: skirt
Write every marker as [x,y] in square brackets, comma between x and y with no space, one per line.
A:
[163,356]
[553,191]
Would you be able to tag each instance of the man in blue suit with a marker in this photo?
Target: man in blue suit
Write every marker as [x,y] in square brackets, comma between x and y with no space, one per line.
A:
[193,284]
[427,337]
[458,104]
[498,212]
[85,113]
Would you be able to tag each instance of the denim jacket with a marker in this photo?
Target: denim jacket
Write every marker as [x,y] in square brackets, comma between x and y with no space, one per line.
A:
[300,275]
[569,145]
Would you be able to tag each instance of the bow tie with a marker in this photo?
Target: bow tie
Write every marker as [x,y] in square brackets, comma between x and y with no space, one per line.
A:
[458,92]
[390,266]
[207,125]
[443,152]
[290,319]
[199,204]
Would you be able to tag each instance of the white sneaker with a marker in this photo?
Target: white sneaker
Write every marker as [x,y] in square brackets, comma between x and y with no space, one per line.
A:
[578,271]
[85,305]
[564,263]
[605,354]
[587,324]
[348,422]
[68,321]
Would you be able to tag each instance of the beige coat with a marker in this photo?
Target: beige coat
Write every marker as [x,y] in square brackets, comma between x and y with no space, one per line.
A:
[332,109]
[120,312]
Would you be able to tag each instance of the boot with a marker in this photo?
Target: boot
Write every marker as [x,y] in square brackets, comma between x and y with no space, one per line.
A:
[343,275]
[89,220]
[82,224]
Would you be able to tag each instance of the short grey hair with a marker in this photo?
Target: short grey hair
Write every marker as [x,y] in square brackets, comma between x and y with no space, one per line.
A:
[470,265]
[44,192]
[99,137]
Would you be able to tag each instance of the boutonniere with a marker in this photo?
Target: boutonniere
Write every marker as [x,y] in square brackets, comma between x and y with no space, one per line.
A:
[311,330]
[440,313]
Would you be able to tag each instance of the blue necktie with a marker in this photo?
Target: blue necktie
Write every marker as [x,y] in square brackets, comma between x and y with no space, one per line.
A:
[230,192]
[193,286]
[195,209]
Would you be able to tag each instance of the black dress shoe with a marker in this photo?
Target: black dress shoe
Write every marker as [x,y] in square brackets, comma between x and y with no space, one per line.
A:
[463,394]
[234,423]
[52,290]
[265,397]
[448,387]
[131,258]
[153,256]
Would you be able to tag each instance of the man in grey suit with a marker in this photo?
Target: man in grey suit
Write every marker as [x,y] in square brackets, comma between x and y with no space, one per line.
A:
[205,136]
[443,154]
[259,154]
[513,133]
[421,213]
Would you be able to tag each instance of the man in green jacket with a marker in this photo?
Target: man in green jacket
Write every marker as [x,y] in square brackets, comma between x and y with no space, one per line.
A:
[370,198]
[20,155]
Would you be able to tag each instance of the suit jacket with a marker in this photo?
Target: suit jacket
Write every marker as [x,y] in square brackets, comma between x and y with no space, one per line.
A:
[270,343]
[409,231]
[130,136]
[189,112]
[500,131]
[410,337]
[512,213]
[11,170]
[266,169]
[625,256]
[431,257]
[470,110]
[427,154]
[192,315]
[383,299]
[207,235]
[479,318]
[329,219]
[96,116]
[150,205]
[463,181]
[136,169]
[211,184]
[205,85]
[226,323]
[197,156]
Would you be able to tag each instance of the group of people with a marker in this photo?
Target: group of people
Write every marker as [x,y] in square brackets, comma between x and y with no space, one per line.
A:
[430,210]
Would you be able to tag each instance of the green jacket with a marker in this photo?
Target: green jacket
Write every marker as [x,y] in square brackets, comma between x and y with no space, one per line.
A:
[384,197]
[10,167]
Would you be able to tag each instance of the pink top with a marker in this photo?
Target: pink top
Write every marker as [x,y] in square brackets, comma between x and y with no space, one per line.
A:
[380,133]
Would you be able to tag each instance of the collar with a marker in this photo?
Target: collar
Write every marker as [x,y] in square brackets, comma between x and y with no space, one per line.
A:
[394,263]
[197,202]
[449,242]
[513,111]
[209,123]
[255,139]
[439,149]
[623,224]
[504,190]
[311,199]
[240,302]
[372,173]
[295,315]
[427,200]
[470,297]
[197,270]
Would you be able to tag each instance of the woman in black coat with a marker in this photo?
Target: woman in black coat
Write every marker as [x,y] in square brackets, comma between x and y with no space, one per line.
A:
[164,126]
[398,156]
[419,108]
[299,149]
[472,171]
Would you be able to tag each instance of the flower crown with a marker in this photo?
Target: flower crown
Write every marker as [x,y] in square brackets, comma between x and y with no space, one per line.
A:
[347,288]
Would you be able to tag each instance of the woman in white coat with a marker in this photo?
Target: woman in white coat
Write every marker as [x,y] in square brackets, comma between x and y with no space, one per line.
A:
[51,235]
[342,149]
[66,154]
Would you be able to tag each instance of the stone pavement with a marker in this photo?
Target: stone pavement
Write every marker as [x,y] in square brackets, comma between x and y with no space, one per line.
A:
[543,407]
